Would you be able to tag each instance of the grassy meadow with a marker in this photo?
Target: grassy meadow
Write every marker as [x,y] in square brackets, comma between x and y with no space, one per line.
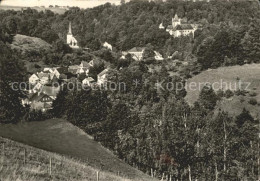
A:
[25,163]
[248,74]
[60,136]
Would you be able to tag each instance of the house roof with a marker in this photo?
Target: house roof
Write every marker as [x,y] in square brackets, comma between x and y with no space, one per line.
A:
[50,90]
[34,75]
[89,79]
[184,27]
[36,96]
[41,75]
[137,49]
[85,64]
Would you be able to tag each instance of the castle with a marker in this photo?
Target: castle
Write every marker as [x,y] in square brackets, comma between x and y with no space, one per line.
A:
[177,28]
[71,40]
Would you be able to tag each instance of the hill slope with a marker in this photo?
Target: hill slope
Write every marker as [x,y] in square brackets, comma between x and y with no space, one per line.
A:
[22,162]
[59,136]
[27,43]
[246,74]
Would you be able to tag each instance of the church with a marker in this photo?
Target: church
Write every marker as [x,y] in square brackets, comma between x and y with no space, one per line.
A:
[177,28]
[71,40]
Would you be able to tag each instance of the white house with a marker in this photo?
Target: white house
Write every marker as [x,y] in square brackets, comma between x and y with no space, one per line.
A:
[102,77]
[88,81]
[137,53]
[158,56]
[177,28]
[71,40]
[108,46]
[33,79]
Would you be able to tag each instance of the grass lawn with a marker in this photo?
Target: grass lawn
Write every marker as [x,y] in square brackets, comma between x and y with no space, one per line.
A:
[231,75]
[59,136]
[22,162]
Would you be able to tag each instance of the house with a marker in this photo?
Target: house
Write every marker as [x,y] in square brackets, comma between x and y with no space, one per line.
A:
[137,53]
[71,40]
[158,56]
[36,88]
[102,77]
[84,64]
[183,30]
[33,79]
[88,81]
[108,46]
[44,78]
[38,101]
[73,69]
[178,28]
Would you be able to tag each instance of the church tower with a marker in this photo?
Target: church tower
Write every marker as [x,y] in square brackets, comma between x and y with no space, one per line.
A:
[69,35]
[71,41]
[176,21]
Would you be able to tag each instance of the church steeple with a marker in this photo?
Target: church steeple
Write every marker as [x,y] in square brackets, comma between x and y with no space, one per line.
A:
[70,32]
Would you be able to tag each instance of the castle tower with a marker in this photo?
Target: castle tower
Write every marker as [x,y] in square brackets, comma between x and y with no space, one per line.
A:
[176,21]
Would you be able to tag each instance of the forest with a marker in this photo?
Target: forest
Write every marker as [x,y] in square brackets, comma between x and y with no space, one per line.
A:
[156,131]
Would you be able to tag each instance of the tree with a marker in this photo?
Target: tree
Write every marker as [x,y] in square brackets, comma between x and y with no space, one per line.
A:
[59,104]
[207,98]
[11,109]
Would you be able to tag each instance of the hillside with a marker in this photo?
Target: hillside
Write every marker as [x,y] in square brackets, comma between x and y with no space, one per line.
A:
[22,162]
[248,74]
[27,43]
[59,136]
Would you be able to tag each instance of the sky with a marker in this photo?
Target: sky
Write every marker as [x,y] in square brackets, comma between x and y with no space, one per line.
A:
[46,3]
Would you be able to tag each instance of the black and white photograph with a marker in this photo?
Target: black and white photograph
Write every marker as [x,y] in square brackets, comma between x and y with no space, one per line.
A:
[129,90]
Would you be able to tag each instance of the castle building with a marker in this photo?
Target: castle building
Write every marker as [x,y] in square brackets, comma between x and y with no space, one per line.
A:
[177,28]
[71,40]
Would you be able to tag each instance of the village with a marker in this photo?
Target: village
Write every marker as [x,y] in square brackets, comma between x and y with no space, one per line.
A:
[46,84]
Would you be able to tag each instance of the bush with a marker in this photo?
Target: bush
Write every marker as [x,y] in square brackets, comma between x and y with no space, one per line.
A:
[252,101]
[240,92]
[252,94]
[229,93]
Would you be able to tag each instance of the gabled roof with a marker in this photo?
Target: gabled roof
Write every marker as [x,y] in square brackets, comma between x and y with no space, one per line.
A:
[41,75]
[34,75]
[37,96]
[89,79]
[136,49]
[85,64]
[184,27]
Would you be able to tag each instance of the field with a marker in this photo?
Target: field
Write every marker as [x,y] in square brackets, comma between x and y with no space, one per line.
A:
[246,75]
[22,162]
[19,8]
[59,136]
